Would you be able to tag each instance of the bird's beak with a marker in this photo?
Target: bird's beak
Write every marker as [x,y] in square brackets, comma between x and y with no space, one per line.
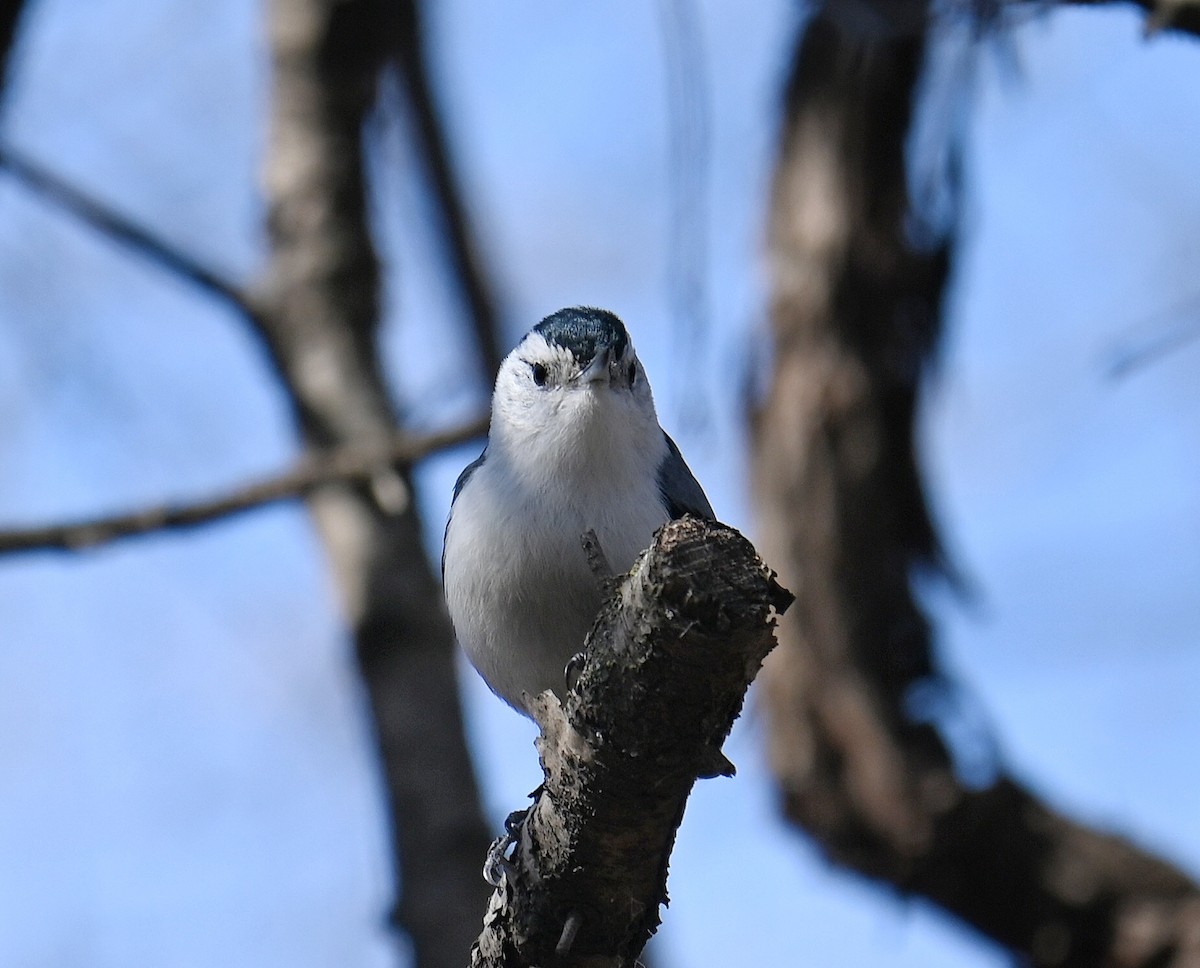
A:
[598,370]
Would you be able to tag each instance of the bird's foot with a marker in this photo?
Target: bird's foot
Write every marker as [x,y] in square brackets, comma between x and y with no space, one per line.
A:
[574,668]
[499,866]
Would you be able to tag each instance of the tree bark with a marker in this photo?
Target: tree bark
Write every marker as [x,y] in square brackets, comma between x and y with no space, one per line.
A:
[855,315]
[666,669]
[319,315]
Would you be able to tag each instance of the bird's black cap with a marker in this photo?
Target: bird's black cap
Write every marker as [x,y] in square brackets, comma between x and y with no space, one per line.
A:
[583,330]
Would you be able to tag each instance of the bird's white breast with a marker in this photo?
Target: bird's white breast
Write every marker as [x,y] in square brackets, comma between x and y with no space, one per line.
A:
[518,584]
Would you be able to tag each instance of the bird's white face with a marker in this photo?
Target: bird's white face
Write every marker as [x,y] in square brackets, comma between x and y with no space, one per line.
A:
[554,413]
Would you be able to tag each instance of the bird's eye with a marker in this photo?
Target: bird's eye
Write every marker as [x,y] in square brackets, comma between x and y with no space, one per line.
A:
[632,373]
[540,374]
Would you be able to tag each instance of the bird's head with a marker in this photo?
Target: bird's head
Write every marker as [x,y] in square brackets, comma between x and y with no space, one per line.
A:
[572,392]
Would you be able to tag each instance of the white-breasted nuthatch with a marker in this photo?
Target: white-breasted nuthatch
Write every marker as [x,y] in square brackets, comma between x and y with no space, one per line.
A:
[574,446]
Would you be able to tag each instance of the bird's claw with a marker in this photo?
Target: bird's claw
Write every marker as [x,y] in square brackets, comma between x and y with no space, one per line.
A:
[574,668]
[499,866]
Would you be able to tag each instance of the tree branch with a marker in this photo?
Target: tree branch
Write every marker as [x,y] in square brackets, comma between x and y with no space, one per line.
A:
[11,12]
[666,670]
[899,19]
[434,151]
[91,211]
[347,465]
[1181,15]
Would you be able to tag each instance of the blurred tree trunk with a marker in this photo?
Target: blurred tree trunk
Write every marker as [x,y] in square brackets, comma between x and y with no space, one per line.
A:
[855,315]
[319,313]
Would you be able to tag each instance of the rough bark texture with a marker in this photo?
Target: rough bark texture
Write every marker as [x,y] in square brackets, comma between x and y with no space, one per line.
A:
[666,670]
[319,315]
[855,312]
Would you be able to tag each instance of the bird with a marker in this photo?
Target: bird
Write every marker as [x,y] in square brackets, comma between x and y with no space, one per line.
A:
[574,445]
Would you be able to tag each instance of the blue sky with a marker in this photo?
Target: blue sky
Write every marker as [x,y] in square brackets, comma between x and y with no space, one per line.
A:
[185,772]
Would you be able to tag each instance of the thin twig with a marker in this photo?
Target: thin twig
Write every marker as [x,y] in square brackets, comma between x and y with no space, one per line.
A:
[468,267]
[94,213]
[11,13]
[343,464]
[1180,15]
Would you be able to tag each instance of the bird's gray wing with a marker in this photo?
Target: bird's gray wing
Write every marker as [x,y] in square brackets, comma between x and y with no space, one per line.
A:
[458,486]
[466,475]
[681,492]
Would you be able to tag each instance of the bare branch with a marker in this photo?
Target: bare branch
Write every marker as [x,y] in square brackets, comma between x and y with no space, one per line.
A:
[11,12]
[89,210]
[899,19]
[434,150]
[1181,15]
[345,465]
[666,670]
